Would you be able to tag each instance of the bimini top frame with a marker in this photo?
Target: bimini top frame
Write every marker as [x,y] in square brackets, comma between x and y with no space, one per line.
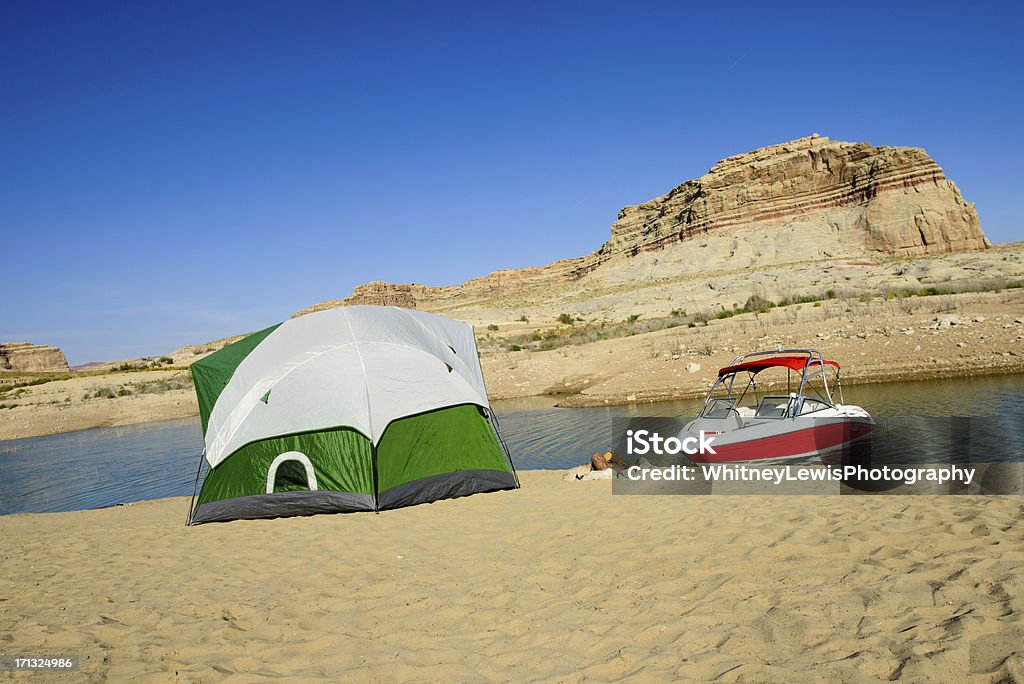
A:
[808,362]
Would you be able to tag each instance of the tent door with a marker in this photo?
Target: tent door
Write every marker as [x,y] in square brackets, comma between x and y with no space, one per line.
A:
[295,465]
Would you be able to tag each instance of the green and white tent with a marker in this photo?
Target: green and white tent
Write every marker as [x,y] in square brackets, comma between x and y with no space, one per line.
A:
[360,408]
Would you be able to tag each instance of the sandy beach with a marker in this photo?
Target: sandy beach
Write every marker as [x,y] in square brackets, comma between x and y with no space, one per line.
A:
[558,580]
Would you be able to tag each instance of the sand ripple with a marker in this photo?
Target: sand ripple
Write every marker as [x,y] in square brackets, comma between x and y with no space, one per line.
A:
[556,581]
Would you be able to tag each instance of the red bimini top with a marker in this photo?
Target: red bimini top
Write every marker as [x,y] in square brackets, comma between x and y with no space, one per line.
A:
[796,363]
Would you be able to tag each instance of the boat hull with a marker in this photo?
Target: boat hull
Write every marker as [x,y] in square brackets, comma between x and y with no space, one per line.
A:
[784,440]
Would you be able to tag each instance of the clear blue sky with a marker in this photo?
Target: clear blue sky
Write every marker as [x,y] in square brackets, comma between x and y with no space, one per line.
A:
[174,172]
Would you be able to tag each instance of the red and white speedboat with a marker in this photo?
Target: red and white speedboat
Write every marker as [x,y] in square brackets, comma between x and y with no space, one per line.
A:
[804,423]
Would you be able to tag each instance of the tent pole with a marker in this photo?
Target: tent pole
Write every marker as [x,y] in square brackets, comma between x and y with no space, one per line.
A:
[496,426]
[376,484]
[195,487]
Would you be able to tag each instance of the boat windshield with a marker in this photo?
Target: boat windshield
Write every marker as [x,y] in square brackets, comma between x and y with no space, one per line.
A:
[720,407]
[810,405]
[775,406]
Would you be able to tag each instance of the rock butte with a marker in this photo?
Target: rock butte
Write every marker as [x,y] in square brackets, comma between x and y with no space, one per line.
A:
[22,356]
[806,199]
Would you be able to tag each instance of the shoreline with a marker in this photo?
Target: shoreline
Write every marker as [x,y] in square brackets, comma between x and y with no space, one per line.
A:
[878,341]
[580,401]
[929,375]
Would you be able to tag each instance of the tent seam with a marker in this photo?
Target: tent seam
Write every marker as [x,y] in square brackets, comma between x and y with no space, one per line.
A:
[365,377]
[354,342]
[406,314]
[369,408]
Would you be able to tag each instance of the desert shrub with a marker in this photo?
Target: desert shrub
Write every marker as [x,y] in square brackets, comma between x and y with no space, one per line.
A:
[28,383]
[177,381]
[565,319]
[492,327]
[756,302]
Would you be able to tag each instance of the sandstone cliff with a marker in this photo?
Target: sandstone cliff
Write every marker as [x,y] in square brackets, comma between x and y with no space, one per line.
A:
[378,293]
[22,356]
[804,200]
[902,203]
[479,290]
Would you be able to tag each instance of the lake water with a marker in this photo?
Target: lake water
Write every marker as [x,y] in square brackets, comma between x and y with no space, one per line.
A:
[110,466]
